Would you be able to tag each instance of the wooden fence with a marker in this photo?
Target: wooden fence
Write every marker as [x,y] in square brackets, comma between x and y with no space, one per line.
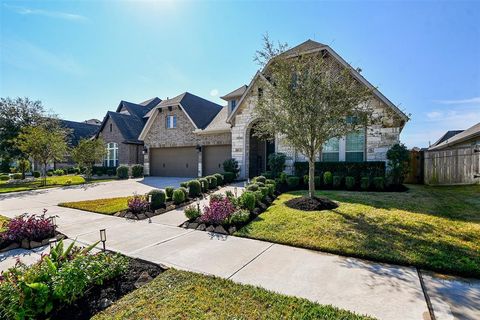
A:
[453,166]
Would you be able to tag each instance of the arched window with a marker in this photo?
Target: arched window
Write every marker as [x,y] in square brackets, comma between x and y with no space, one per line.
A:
[111,159]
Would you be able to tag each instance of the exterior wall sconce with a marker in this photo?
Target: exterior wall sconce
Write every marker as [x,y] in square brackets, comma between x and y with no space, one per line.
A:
[103,237]
[145,150]
[199,148]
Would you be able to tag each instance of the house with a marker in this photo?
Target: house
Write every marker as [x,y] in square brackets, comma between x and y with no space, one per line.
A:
[455,159]
[190,136]
[448,135]
[120,131]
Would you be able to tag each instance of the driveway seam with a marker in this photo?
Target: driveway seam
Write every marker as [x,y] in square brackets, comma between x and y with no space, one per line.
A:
[425,294]
[160,242]
[258,255]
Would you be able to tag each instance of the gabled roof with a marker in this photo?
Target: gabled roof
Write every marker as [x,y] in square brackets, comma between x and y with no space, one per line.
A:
[79,130]
[235,93]
[138,110]
[304,47]
[151,102]
[472,132]
[446,136]
[218,124]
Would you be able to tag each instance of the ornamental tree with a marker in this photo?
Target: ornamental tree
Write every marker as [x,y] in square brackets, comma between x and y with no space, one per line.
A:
[87,153]
[307,99]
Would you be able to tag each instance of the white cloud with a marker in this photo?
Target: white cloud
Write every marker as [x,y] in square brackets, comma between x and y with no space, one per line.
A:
[47,13]
[434,114]
[474,100]
[214,92]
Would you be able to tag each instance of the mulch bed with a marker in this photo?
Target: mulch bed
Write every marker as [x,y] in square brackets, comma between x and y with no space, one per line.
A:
[101,297]
[7,245]
[311,204]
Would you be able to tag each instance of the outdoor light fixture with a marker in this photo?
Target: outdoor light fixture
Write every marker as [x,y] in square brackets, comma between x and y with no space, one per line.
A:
[145,150]
[198,204]
[103,237]
[53,220]
[235,191]
[150,198]
[199,148]
[52,243]
[244,184]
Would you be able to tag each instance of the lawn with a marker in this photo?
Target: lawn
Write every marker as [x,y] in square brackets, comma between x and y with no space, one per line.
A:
[436,228]
[3,222]
[54,181]
[185,295]
[105,206]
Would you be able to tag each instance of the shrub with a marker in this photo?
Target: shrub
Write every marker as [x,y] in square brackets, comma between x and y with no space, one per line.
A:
[36,174]
[252,187]
[293,182]
[260,184]
[328,178]
[112,172]
[344,168]
[247,200]
[229,177]
[178,196]
[4,177]
[204,183]
[317,181]
[365,183]
[283,177]
[185,191]
[305,179]
[267,174]
[398,161]
[49,173]
[264,191]
[261,179]
[258,196]
[276,163]
[122,172]
[137,204]
[192,212]
[240,216]
[212,182]
[218,211]
[59,172]
[219,179]
[17,176]
[31,227]
[337,182]
[271,189]
[350,183]
[379,183]
[231,165]
[137,171]
[158,199]
[270,181]
[169,192]
[194,188]
[184,184]
[217,197]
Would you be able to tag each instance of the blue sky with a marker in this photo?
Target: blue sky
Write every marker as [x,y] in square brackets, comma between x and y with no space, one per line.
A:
[81,58]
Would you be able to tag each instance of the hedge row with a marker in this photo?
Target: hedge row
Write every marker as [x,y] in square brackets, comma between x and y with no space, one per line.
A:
[343,169]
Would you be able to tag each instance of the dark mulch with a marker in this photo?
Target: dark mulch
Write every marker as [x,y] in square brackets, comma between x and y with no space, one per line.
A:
[100,297]
[311,204]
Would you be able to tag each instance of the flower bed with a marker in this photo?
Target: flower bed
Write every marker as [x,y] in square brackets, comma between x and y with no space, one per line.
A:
[226,214]
[71,283]
[28,232]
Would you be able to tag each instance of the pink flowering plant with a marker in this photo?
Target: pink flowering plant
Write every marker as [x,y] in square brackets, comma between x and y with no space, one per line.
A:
[218,212]
[137,204]
[31,227]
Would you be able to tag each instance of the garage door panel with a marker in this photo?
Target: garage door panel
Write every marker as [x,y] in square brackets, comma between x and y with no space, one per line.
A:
[213,158]
[174,162]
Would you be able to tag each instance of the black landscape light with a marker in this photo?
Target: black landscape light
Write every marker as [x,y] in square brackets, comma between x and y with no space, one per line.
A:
[53,220]
[103,237]
[52,243]
[235,191]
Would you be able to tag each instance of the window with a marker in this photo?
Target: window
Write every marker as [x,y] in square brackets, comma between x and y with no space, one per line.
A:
[111,126]
[331,150]
[111,159]
[171,121]
[233,104]
[354,146]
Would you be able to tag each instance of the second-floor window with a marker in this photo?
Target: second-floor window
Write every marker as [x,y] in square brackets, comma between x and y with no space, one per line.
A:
[233,104]
[171,121]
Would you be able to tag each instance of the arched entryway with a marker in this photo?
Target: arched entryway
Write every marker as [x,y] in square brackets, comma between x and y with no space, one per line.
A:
[259,149]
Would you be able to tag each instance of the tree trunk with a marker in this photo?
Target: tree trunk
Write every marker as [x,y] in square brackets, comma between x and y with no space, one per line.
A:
[45,173]
[311,177]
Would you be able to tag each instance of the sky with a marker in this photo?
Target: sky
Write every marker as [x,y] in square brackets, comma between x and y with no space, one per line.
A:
[81,58]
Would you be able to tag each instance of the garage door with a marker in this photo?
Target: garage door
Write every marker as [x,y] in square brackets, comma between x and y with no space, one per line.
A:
[213,158]
[174,162]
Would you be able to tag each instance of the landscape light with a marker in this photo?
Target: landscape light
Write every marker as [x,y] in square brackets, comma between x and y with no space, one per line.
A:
[103,237]
[52,243]
[235,191]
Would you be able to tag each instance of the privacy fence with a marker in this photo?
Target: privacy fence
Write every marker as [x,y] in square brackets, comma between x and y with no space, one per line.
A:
[453,166]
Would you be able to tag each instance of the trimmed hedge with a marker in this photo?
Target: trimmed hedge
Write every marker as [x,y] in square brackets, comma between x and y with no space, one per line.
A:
[122,172]
[379,183]
[261,179]
[36,174]
[4,177]
[178,196]
[17,176]
[229,177]
[293,182]
[137,171]
[184,184]
[337,182]
[194,188]
[204,183]
[219,179]
[328,178]
[365,183]
[169,192]
[185,191]
[158,198]
[248,200]
[344,168]
[252,187]
[212,182]
[349,183]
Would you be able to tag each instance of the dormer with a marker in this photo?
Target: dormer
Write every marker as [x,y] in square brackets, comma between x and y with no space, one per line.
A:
[233,98]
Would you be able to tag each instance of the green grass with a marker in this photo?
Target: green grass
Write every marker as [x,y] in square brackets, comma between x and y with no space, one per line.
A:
[54,181]
[436,228]
[3,222]
[105,206]
[185,295]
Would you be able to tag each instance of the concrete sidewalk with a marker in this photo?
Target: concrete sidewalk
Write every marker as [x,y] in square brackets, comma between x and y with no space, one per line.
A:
[381,290]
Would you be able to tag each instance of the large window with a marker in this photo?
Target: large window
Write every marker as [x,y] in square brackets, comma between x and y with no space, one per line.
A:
[171,121]
[111,159]
[331,150]
[355,146]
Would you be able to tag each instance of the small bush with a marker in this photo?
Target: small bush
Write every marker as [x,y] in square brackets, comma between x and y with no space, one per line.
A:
[137,204]
[240,216]
[271,189]
[184,184]
[204,183]
[4,177]
[29,227]
[337,182]
[350,183]
[305,179]
[158,198]
[137,171]
[192,212]
[194,188]
[178,196]
[317,181]
[293,182]
[264,191]
[229,177]
[270,181]
[260,184]
[218,211]
[49,173]
[276,162]
[282,177]
[17,176]
[169,192]
[258,196]
[220,179]
[247,200]
[379,183]
[231,165]
[328,178]
[122,172]
[212,182]
[59,172]
[36,174]
[185,192]
[365,183]
[267,174]
[252,187]
[261,179]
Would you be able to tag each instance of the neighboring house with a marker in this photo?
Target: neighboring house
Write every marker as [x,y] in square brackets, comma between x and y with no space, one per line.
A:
[120,131]
[448,135]
[186,136]
[455,160]
[93,121]
[190,136]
